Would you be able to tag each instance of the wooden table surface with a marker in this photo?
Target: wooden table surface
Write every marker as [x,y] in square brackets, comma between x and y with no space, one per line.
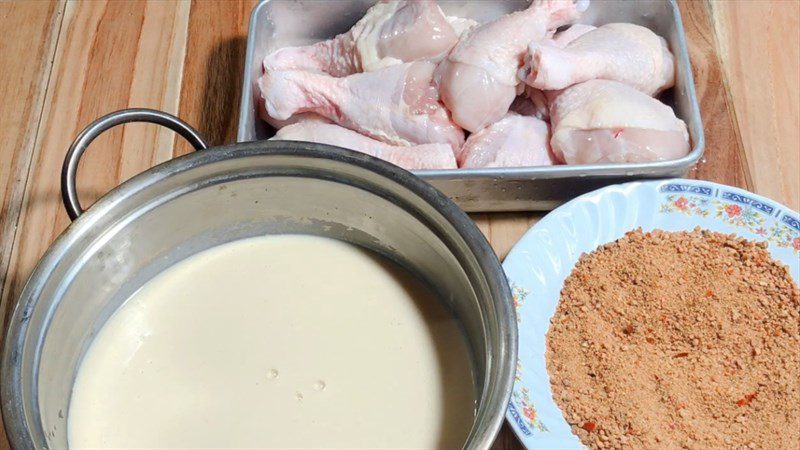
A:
[65,63]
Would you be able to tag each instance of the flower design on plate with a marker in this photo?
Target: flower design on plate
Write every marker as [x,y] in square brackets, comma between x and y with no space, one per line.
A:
[521,401]
[734,214]
[754,217]
[691,205]
[521,408]
[784,237]
[733,210]
[518,295]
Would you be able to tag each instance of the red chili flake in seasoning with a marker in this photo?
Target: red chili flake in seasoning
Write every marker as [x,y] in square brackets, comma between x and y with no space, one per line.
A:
[746,400]
[709,294]
[589,426]
[663,318]
[680,355]
[649,340]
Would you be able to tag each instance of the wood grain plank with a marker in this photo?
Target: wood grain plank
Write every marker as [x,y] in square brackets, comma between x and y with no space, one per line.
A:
[22,87]
[723,161]
[158,72]
[763,74]
[507,440]
[111,55]
[503,230]
[26,54]
[212,73]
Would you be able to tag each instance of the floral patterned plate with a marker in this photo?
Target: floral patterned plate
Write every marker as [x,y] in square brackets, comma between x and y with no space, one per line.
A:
[546,254]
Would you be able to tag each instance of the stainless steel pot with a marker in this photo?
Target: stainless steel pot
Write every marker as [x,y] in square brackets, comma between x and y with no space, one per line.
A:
[223,194]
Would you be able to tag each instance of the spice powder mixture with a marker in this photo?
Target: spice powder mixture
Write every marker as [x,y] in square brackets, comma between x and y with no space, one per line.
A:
[678,340]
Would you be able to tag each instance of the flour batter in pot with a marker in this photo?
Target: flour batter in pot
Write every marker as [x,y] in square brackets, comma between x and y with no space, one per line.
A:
[286,341]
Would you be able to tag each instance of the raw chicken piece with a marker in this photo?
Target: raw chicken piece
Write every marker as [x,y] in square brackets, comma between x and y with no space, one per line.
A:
[561,39]
[622,52]
[513,141]
[535,102]
[532,102]
[397,105]
[391,32]
[601,121]
[426,156]
[461,24]
[478,79]
[278,124]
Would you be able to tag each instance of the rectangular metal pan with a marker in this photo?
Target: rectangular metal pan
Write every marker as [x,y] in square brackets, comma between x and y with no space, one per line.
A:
[278,23]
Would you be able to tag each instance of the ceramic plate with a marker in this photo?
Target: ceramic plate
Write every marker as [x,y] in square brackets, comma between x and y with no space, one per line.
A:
[546,254]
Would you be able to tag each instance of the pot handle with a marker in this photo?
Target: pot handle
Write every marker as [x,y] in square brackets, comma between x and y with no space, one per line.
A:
[69,191]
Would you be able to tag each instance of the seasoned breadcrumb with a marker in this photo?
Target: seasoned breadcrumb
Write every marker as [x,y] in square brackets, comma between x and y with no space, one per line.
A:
[678,340]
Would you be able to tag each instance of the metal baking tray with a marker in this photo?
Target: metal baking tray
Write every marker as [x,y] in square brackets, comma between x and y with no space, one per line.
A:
[278,23]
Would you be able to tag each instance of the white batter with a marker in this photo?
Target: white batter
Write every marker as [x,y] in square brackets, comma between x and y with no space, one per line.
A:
[276,342]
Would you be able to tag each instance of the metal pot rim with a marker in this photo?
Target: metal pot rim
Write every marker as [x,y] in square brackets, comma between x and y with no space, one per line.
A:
[10,388]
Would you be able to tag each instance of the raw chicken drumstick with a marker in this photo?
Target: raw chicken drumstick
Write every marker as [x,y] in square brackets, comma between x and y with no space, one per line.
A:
[478,79]
[397,105]
[575,31]
[623,52]
[426,156]
[391,32]
[532,101]
[513,141]
[602,121]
